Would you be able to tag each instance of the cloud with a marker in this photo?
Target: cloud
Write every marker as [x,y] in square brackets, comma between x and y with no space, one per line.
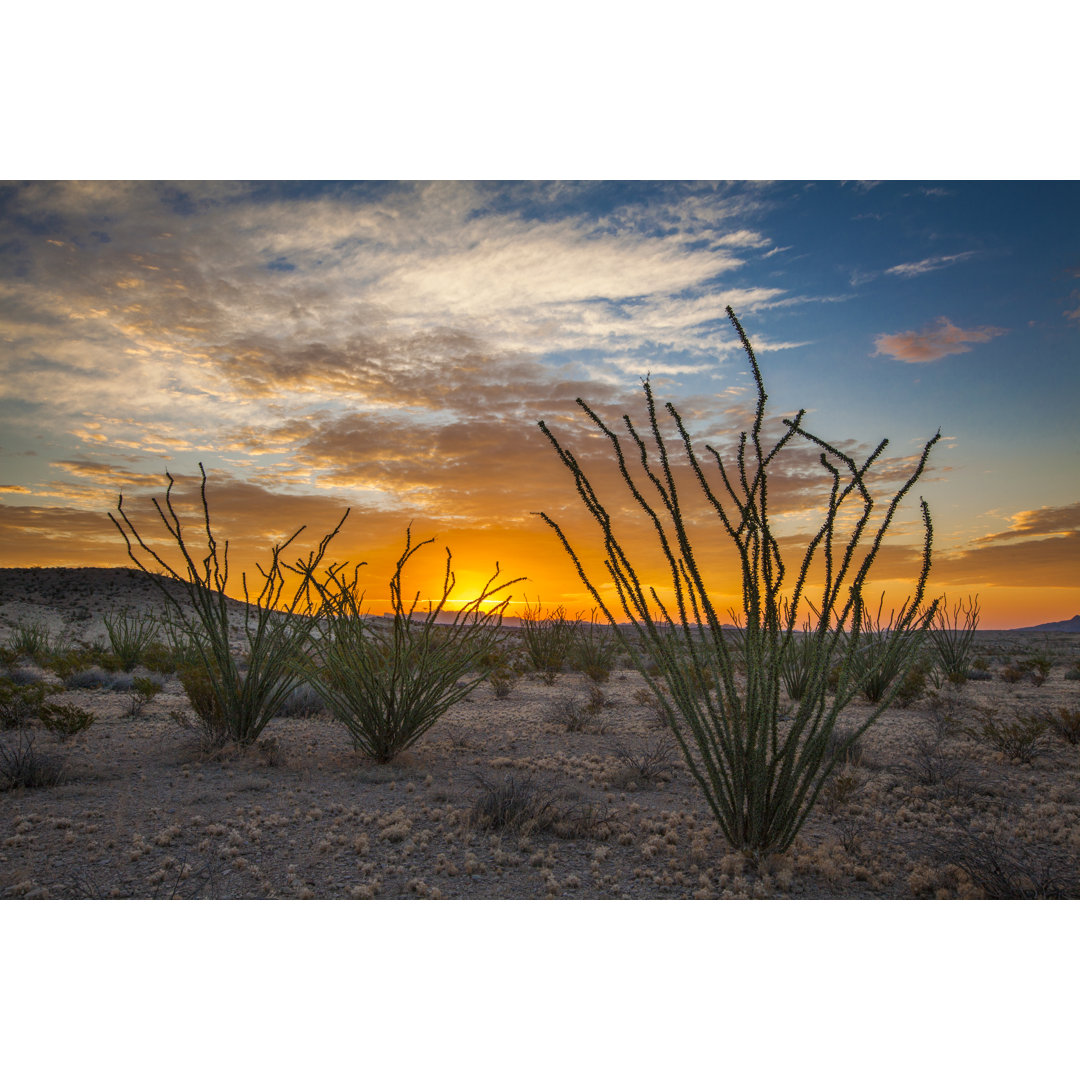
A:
[926,266]
[1046,521]
[933,342]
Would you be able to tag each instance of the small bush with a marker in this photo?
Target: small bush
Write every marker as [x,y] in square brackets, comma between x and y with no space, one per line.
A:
[143,690]
[1018,740]
[92,678]
[65,720]
[512,805]
[21,766]
[388,683]
[1064,723]
[232,700]
[503,680]
[19,703]
[952,638]
[302,702]
[595,650]
[130,635]
[995,867]
[645,767]
[32,639]
[548,639]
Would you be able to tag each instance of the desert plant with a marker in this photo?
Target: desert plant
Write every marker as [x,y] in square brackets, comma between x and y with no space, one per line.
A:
[994,865]
[65,720]
[130,635]
[503,680]
[239,698]
[877,665]
[512,804]
[952,638]
[19,702]
[760,781]
[1064,723]
[388,684]
[1019,739]
[143,690]
[594,649]
[21,766]
[33,639]
[548,639]
[645,766]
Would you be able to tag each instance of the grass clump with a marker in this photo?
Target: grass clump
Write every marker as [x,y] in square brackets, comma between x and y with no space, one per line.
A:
[389,682]
[760,775]
[235,696]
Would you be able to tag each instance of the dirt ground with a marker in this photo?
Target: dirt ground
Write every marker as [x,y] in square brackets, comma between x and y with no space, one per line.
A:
[928,808]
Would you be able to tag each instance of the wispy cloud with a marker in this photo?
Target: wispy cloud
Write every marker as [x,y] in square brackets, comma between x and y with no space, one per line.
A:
[933,342]
[927,266]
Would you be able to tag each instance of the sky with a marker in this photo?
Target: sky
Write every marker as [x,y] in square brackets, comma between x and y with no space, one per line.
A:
[390,346]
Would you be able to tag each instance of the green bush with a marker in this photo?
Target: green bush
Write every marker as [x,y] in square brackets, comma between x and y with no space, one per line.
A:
[130,635]
[594,649]
[18,703]
[388,683]
[952,639]
[235,696]
[548,639]
[65,720]
[759,770]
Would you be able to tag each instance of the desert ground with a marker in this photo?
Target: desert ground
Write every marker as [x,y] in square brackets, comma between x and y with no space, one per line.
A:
[930,806]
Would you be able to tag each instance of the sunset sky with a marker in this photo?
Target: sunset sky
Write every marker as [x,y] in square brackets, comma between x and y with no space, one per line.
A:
[389,347]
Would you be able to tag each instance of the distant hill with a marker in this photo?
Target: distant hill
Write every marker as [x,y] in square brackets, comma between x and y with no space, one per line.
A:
[1072,624]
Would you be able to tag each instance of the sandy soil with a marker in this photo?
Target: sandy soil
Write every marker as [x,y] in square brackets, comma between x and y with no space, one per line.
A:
[142,811]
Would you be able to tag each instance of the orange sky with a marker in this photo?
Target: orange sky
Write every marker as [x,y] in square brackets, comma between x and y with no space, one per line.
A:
[390,348]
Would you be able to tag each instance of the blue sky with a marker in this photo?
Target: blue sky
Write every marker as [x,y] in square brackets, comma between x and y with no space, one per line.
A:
[389,346]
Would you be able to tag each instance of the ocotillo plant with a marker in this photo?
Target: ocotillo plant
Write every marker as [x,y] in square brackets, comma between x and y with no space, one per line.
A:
[760,770]
[388,684]
[236,696]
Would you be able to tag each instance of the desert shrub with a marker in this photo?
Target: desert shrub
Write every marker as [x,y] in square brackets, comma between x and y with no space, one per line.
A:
[912,685]
[645,766]
[760,777]
[1011,673]
[233,700]
[877,664]
[19,703]
[143,690]
[1007,871]
[90,678]
[1074,672]
[159,658]
[130,635]
[32,639]
[548,639]
[503,680]
[302,701]
[388,684]
[951,635]
[797,664]
[594,650]
[65,720]
[1064,723]
[22,766]
[513,804]
[1018,739]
